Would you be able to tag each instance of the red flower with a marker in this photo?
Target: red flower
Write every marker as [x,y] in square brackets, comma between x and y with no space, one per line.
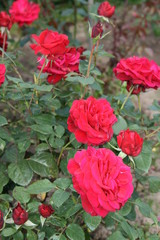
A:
[1,220]
[97,30]
[102,179]
[45,210]
[138,72]
[50,43]
[2,73]
[106,10]
[20,216]
[5,20]
[24,12]
[59,66]
[2,38]
[91,121]
[130,142]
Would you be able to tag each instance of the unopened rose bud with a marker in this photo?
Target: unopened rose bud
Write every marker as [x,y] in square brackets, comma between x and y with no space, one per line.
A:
[1,219]
[106,10]
[20,216]
[45,210]
[97,30]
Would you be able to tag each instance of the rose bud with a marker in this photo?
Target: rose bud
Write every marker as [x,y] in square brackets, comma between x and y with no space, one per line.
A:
[5,20]
[20,216]
[106,10]
[130,142]
[97,30]
[1,219]
[45,210]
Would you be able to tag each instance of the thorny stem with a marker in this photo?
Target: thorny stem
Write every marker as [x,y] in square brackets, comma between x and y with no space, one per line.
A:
[130,92]
[151,134]
[62,150]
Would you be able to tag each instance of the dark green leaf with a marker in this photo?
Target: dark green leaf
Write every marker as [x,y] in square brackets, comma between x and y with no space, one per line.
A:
[75,232]
[40,186]
[59,197]
[21,195]
[91,222]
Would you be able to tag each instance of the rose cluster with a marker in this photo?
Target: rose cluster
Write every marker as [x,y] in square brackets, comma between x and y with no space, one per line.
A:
[139,73]
[58,59]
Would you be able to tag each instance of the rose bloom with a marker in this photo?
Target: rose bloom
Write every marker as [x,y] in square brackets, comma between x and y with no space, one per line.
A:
[59,66]
[20,216]
[105,9]
[138,72]
[24,12]
[91,121]
[45,210]
[2,38]
[1,220]
[97,30]
[101,178]
[5,20]
[130,142]
[2,73]
[50,43]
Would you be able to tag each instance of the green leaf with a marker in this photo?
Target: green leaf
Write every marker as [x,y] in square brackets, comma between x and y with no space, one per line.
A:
[8,232]
[2,145]
[91,222]
[42,147]
[74,209]
[121,124]
[117,236]
[40,186]
[144,159]
[63,183]
[43,88]
[3,121]
[59,197]
[18,236]
[43,129]
[60,130]
[57,222]
[44,119]
[79,79]
[31,235]
[125,210]
[20,172]
[14,80]
[43,164]
[75,232]
[129,230]
[5,135]
[21,195]
[24,145]
[3,178]
[56,142]
[154,184]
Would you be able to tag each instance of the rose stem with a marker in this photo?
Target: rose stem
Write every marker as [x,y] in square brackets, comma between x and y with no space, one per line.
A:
[95,57]
[130,92]
[139,103]
[149,135]
[62,150]
[4,42]
[90,60]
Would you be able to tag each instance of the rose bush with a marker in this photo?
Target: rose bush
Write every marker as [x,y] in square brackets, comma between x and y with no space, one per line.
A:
[52,185]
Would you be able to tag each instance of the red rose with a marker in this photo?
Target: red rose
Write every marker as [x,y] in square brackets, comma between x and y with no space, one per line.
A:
[106,10]
[102,179]
[2,73]
[45,210]
[138,72]
[24,12]
[2,39]
[91,121]
[97,30]
[5,20]
[59,66]
[1,220]
[130,142]
[20,216]
[50,43]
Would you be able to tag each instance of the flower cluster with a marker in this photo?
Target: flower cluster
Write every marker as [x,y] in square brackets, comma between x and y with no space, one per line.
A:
[60,59]
[24,12]
[139,73]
